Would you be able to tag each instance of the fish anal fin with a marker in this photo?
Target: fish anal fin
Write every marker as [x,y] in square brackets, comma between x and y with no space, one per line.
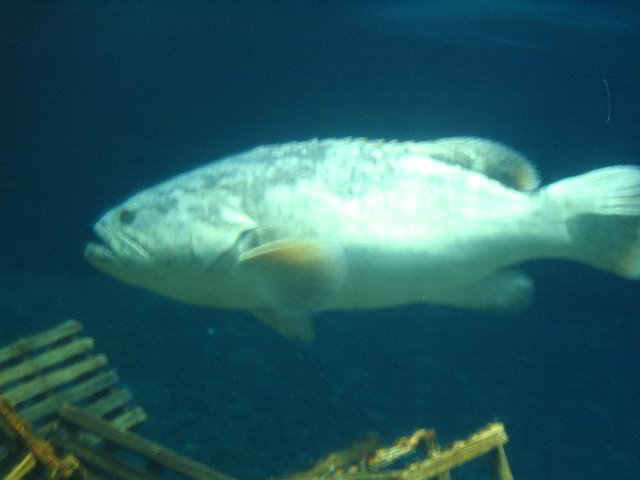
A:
[505,291]
[297,326]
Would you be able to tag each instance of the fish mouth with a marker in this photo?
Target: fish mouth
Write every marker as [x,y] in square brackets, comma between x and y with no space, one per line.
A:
[113,249]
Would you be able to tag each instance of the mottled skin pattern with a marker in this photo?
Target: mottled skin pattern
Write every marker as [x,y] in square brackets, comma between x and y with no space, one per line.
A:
[414,222]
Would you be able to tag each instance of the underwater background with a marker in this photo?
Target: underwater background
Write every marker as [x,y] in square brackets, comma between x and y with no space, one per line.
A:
[100,99]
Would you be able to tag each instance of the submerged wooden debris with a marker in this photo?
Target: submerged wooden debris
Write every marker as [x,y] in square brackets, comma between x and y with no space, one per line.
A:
[38,450]
[363,461]
[63,416]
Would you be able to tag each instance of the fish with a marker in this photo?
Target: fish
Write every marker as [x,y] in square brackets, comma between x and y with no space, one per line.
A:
[516,24]
[288,230]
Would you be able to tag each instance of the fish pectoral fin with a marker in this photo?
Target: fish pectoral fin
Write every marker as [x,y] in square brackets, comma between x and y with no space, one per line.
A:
[505,291]
[295,274]
[297,326]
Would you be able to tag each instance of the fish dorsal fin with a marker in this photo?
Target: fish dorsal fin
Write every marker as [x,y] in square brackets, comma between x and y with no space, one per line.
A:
[490,158]
[296,274]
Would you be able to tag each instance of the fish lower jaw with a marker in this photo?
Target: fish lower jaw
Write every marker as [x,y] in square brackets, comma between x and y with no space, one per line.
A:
[99,255]
[115,245]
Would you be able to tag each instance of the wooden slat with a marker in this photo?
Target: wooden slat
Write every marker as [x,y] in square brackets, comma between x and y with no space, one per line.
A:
[501,465]
[32,365]
[28,344]
[461,452]
[107,404]
[22,468]
[77,393]
[129,419]
[7,432]
[125,421]
[437,463]
[135,443]
[52,380]
[106,463]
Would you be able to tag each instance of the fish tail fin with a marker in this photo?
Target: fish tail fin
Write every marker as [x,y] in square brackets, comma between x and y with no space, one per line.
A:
[602,213]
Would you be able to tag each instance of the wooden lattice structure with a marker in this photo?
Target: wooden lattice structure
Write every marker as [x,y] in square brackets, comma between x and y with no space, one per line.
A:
[60,405]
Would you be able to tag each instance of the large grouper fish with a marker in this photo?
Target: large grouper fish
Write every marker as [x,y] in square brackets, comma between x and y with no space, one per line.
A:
[287,230]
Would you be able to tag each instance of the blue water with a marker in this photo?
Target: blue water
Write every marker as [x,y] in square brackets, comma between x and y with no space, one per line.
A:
[101,99]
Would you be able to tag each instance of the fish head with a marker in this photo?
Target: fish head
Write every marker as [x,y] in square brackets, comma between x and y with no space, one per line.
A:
[165,240]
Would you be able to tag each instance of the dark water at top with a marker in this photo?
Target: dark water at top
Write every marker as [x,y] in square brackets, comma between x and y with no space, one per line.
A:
[101,99]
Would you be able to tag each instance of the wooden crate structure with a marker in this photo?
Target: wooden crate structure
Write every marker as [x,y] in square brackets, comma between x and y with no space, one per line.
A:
[59,397]
[40,373]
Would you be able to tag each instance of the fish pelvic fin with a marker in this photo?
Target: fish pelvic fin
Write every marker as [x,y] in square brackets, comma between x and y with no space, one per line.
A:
[602,213]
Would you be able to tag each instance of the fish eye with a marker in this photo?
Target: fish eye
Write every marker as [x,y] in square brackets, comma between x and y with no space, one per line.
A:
[126,216]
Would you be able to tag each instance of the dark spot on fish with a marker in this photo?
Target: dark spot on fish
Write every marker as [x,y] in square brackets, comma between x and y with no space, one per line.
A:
[126,216]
